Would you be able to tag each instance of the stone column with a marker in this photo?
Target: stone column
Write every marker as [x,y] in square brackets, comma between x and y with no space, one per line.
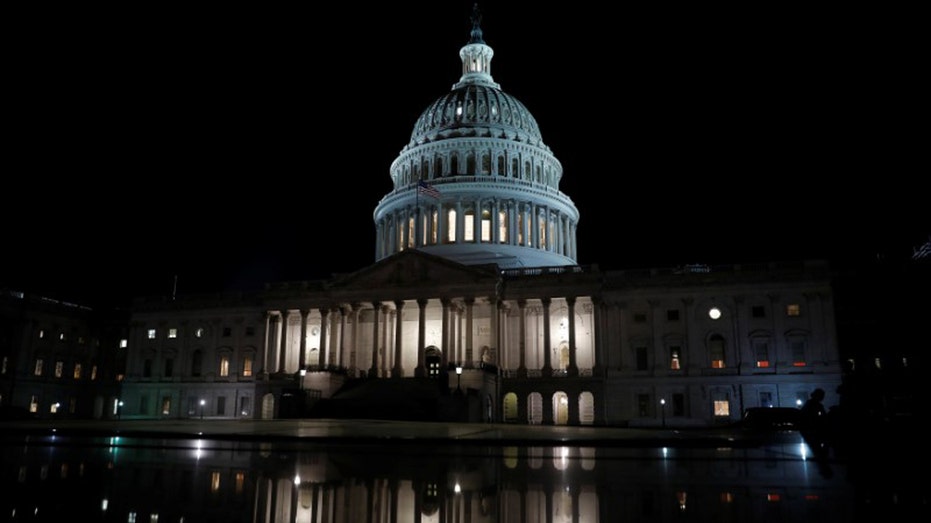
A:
[343,313]
[547,349]
[420,371]
[522,343]
[282,354]
[373,370]
[573,369]
[470,355]
[302,357]
[324,349]
[444,335]
[398,307]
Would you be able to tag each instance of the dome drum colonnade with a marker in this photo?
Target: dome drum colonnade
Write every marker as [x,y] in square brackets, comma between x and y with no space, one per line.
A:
[476,183]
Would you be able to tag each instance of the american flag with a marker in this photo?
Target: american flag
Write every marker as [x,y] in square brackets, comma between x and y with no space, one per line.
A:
[425,188]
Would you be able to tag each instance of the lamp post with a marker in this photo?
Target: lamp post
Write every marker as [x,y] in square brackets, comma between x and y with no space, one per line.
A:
[303,373]
[662,402]
[202,403]
[458,379]
[119,410]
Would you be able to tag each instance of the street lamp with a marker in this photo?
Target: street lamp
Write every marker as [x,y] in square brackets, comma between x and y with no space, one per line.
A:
[119,410]
[458,379]
[662,402]
[303,373]
[202,403]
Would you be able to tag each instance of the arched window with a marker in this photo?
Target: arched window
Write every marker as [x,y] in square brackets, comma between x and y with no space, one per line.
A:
[527,172]
[434,217]
[534,408]
[470,164]
[438,167]
[501,166]
[411,235]
[520,228]
[486,163]
[454,164]
[543,229]
[510,407]
[515,168]
[586,408]
[560,408]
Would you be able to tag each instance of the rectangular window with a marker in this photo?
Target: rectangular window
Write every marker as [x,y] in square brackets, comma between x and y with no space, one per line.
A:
[61,336]
[221,406]
[214,482]
[77,371]
[486,226]
[37,370]
[247,366]
[722,408]
[468,227]
[147,368]
[672,315]
[227,332]
[678,404]
[250,330]
[151,334]
[798,353]
[41,334]
[34,404]
[72,405]
[520,228]
[451,226]
[59,368]
[224,366]
[758,311]
[502,227]
[642,360]
[53,408]
[172,333]
[169,367]
[166,405]
[93,372]
[793,309]
[244,406]
[240,482]
[640,317]
[674,363]
[542,233]
[643,405]
[716,351]
[434,217]
[124,343]
[411,235]
[3,366]
[761,351]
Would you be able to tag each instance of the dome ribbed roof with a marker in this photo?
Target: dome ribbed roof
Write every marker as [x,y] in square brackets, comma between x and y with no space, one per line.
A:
[476,110]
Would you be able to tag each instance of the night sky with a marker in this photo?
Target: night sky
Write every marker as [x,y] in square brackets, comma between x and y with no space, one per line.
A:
[237,147]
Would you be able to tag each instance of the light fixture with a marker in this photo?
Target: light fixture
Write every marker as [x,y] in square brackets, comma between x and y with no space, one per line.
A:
[714,313]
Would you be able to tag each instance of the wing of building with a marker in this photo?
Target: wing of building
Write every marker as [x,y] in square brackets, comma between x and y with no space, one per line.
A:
[475,309]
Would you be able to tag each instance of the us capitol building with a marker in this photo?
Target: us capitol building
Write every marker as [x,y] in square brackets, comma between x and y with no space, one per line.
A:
[474,309]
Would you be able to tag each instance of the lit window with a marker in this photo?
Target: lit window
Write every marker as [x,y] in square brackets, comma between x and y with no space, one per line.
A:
[469,226]
[714,313]
[793,309]
[434,224]
[224,366]
[199,333]
[727,497]
[411,235]
[3,366]
[41,333]
[451,226]
[93,372]
[38,368]
[172,333]
[502,227]
[722,408]
[486,226]
[520,228]
[80,340]
[124,343]
[773,497]
[240,482]
[53,408]
[61,336]
[34,404]
[878,363]
[77,371]
[459,109]
[166,405]
[151,334]
[904,362]
[542,244]
[674,363]
[247,366]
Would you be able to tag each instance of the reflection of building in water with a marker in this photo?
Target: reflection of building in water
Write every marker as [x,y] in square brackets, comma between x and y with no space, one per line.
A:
[232,482]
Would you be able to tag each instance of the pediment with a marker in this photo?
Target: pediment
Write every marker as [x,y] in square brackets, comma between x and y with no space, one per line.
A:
[416,269]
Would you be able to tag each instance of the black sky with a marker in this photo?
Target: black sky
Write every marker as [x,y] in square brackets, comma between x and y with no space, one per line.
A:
[236,147]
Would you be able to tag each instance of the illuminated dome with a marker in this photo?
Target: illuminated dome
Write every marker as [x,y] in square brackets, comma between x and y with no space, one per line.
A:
[475,183]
